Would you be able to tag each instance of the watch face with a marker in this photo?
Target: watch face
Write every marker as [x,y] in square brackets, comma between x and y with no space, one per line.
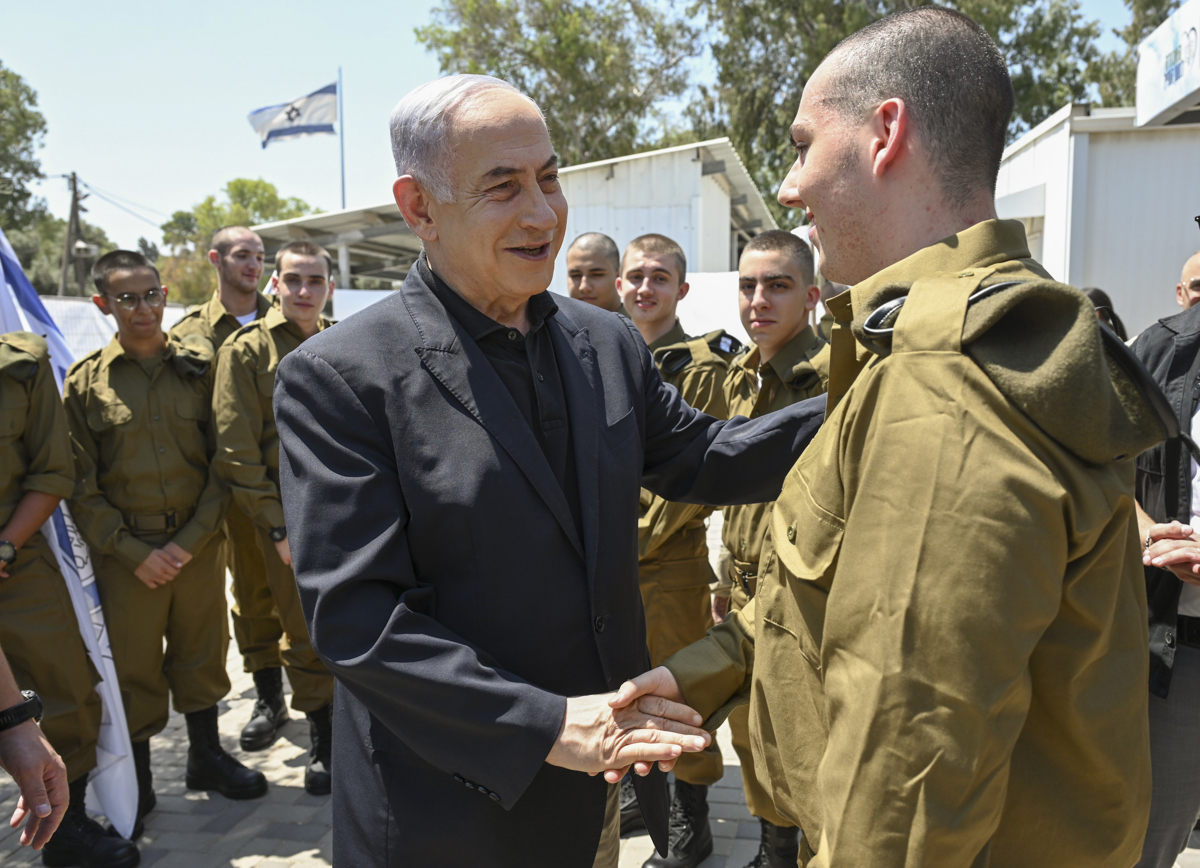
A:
[8,552]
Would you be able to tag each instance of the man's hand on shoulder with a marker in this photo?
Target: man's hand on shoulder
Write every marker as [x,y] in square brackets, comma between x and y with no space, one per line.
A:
[610,732]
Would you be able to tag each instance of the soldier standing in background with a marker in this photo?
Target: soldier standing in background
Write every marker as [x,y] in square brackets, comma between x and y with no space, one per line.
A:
[38,627]
[147,505]
[673,567]
[248,463]
[237,255]
[788,363]
[592,265]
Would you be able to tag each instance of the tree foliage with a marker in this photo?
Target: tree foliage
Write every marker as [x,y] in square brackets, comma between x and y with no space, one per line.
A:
[22,129]
[188,234]
[599,68]
[1115,72]
[39,246]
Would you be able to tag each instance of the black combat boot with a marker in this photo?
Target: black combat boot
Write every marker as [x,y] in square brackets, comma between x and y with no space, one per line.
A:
[631,811]
[210,768]
[147,800]
[270,711]
[318,780]
[690,841]
[80,842]
[779,847]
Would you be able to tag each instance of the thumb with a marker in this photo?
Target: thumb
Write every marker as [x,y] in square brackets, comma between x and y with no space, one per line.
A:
[645,683]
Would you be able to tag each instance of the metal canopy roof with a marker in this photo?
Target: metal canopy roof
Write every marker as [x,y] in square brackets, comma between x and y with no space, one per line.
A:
[382,246]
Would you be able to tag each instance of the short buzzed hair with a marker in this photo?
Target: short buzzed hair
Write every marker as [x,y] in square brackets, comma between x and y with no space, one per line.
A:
[119,260]
[953,80]
[778,241]
[223,239]
[600,243]
[659,245]
[304,248]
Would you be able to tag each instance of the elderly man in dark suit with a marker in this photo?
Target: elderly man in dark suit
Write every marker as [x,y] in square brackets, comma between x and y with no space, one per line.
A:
[460,467]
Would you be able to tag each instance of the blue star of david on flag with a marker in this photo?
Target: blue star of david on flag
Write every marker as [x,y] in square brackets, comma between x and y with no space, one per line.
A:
[311,115]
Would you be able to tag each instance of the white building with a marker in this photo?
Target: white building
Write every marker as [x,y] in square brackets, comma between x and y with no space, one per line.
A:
[1107,203]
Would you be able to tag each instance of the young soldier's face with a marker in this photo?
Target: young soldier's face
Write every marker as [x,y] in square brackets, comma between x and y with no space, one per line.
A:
[242,266]
[650,287]
[775,297]
[303,285]
[592,278]
[135,299]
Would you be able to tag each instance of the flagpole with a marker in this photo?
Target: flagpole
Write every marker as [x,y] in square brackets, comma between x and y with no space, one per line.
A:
[342,137]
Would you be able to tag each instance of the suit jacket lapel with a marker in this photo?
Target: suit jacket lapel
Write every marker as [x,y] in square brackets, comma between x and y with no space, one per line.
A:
[577,365]
[460,366]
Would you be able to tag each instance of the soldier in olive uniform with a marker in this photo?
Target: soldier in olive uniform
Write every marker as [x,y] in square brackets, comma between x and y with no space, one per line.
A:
[673,567]
[593,262]
[38,626]
[237,256]
[946,658]
[147,504]
[788,363]
[248,463]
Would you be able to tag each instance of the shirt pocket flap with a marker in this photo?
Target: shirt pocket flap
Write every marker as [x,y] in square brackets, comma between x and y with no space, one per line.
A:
[107,412]
[806,537]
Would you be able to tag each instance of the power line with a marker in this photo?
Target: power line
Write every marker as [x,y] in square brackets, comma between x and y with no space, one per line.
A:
[127,201]
[116,204]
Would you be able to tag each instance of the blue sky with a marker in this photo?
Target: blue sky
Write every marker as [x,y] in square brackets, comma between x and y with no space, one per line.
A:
[148,101]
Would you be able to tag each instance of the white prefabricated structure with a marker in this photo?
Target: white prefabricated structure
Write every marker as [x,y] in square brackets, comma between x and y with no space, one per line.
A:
[1107,203]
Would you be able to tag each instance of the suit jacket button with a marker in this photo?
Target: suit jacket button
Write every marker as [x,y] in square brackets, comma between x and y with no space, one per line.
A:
[1170,639]
[494,797]
[600,624]
[460,779]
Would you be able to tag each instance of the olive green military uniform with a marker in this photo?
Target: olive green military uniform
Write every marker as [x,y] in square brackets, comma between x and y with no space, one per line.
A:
[255,625]
[754,388]
[143,439]
[38,628]
[248,463]
[673,567]
[946,659]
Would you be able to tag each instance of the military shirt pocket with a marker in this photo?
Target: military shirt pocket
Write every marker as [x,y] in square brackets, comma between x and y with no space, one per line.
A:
[14,413]
[193,407]
[807,538]
[107,412]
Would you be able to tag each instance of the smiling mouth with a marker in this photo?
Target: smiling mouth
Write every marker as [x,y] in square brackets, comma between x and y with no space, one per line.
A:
[538,252]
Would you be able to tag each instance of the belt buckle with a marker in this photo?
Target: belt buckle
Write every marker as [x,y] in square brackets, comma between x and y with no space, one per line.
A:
[745,578]
[170,518]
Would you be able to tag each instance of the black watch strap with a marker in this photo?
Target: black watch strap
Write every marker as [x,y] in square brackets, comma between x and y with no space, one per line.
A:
[8,552]
[278,534]
[30,709]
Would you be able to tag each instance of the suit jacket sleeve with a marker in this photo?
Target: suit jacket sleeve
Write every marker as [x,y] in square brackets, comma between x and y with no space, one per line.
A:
[371,620]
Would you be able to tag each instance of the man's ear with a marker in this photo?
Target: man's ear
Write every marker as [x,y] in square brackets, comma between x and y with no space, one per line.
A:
[814,295]
[889,125]
[683,290]
[1179,299]
[413,202]
[215,258]
[101,301]
[165,291]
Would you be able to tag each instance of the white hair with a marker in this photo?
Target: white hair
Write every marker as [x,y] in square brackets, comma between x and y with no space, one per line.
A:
[420,123]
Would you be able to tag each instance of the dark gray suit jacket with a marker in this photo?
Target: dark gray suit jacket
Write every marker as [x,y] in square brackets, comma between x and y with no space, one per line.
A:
[444,580]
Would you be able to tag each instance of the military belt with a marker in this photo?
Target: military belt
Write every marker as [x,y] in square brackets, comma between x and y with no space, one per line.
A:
[157,522]
[1187,631]
[744,574]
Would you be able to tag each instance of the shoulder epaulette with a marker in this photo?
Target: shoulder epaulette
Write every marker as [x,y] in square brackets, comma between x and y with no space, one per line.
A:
[193,355]
[21,353]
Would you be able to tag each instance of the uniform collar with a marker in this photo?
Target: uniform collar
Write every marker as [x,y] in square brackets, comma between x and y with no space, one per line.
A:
[793,354]
[115,351]
[274,318]
[675,336]
[215,310]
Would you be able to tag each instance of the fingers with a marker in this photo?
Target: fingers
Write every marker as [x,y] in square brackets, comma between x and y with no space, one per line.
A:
[658,706]
[1173,554]
[658,680]
[613,776]
[1169,530]
[58,795]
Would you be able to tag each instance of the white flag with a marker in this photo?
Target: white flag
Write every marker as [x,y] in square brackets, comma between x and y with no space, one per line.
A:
[112,787]
[311,115]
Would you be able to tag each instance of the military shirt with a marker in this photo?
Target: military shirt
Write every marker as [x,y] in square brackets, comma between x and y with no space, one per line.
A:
[692,367]
[247,458]
[799,370]
[143,438]
[211,320]
[35,445]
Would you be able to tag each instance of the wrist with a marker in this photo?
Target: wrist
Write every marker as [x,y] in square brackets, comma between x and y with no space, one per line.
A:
[277,534]
[8,552]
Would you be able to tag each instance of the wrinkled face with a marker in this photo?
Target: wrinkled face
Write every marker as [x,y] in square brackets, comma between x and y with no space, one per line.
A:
[774,298]
[505,225]
[831,182]
[650,287]
[124,287]
[303,286]
[1187,291]
[592,278]
[242,266]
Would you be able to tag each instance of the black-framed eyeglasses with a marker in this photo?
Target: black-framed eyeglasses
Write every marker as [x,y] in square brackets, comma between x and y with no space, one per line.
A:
[130,300]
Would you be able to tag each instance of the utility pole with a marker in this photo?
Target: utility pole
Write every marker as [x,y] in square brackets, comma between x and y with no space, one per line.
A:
[73,235]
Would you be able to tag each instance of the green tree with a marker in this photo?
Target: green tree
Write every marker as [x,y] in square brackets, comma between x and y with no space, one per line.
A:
[600,69]
[39,248]
[1115,72]
[766,50]
[188,234]
[22,129]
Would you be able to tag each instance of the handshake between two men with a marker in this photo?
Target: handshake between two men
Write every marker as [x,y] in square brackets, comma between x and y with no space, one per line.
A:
[644,722]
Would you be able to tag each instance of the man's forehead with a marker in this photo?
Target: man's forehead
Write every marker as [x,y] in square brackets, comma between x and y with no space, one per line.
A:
[638,259]
[134,278]
[294,263]
[500,131]
[589,256]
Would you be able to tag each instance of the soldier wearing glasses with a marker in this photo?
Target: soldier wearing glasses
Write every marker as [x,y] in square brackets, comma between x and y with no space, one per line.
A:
[247,461]
[140,415]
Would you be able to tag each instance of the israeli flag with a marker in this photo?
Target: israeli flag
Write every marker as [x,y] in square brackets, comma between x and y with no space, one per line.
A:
[112,786]
[311,115]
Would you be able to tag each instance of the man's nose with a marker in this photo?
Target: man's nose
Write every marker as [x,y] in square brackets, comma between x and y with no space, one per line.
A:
[789,190]
[537,213]
[760,299]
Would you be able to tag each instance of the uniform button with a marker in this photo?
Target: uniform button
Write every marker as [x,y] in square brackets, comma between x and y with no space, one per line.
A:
[600,624]
[512,334]
[541,379]
[967,274]
[1170,639]
[156,418]
[791,533]
[161,450]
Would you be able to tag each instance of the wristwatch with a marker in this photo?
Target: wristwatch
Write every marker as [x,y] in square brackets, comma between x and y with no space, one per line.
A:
[8,552]
[30,709]
[278,534]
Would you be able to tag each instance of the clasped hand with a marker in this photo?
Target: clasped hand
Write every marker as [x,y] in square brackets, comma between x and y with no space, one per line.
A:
[1174,547]
[643,723]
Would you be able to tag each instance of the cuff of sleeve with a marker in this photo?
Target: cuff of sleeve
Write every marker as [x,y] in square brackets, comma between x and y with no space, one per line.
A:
[132,551]
[712,671]
[49,483]
[269,514]
[192,537]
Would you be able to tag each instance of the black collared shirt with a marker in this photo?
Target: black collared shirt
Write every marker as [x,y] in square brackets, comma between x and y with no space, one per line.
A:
[528,368]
